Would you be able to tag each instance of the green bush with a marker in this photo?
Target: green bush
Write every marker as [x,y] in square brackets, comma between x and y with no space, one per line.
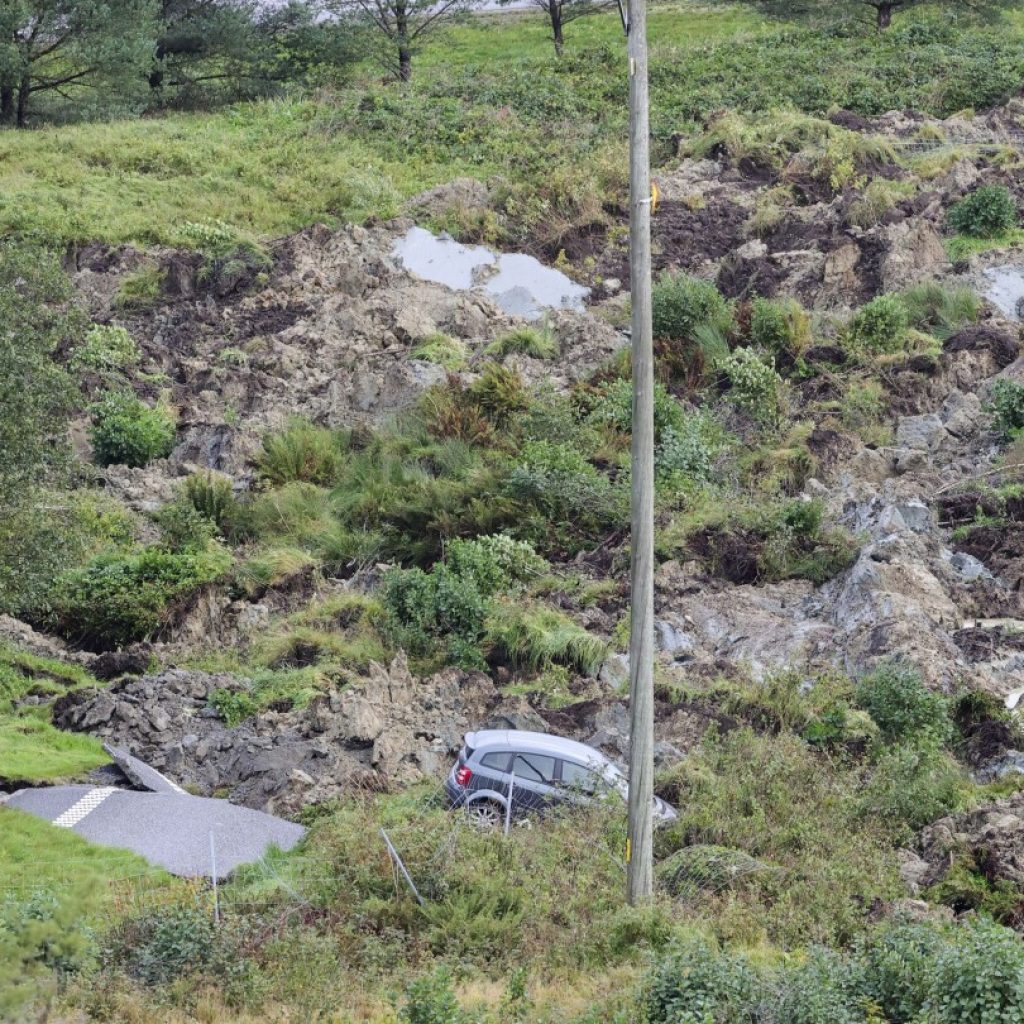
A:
[431,1000]
[119,599]
[895,964]
[614,408]
[905,710]
[499,393]
[754,385]
[988,211]
[818,991]
[212,495]
[1008,407]
[106,347]
[881,325]
[979,978]
[940,310]
[128,432]
[529,341]
[301,452]
[781,326]
[536,637]
[689,451]
[681,304]
[697,984]
[183,528]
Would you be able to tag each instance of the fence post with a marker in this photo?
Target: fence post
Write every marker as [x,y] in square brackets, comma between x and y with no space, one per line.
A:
[508,805]
[401,867]
[213,878]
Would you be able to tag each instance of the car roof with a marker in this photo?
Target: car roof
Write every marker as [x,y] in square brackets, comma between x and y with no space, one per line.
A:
[534,743]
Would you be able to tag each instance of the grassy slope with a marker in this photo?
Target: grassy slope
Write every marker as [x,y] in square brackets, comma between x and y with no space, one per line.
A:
[31,749]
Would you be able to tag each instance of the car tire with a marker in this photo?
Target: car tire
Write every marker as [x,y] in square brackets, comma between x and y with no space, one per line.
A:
[486,814]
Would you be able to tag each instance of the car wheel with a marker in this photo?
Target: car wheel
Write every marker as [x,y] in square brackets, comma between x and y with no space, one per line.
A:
[486,814]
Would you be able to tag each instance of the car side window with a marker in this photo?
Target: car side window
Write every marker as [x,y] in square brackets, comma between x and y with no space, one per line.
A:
[498,761]
[534,768]
[575,776]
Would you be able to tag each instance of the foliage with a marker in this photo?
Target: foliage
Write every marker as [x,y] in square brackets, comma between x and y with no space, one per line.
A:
[140,289]
[431,1000]
[940,310]
[986,212]
[1008,407]
[754,385]
[881,325]
[780,326]
[212,495]
[613,407]
[691,320]
[106,347]
[302,452]
[35,394]
[499,392]
[904,708]
[529,341]
[688,452]
[118,599]
[537,637]
[441,349]
[128,432]
[695,984]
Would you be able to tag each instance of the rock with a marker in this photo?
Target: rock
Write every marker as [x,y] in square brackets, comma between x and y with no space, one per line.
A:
[1011,762]
[962,414]
[611,286]
[961,177]
[968,566]
[920,433]
[913,870]
[614,673]
[840,273]
[111,664]
[672,639]
[915,253]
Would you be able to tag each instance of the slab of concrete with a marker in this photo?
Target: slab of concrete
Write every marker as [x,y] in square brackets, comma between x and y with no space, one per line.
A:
[141,773]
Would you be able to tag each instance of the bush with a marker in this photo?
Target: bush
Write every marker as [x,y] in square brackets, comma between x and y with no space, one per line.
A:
[895,964]
[106,347]
[780,326]
[128,432]
[818,991]
[183,528]
[681,304]
[1008,407]
[302,452]
[212,495]
[753,385]
[499,393]
[881,325]
[431,1000]
[988,211]
[614,408]
[689,451]
[940,310]
[119,599]
[904,709]
[696,984]
[979,978]
[540,344]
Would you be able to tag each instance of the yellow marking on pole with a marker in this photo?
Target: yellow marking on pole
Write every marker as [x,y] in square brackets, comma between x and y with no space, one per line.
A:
[629,850]
[654,197]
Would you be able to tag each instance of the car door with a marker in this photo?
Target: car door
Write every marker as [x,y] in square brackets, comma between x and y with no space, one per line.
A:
[577,783]
[536,782]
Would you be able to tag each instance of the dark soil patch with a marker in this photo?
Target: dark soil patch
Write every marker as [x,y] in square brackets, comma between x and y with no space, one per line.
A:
[793,233]
[830,449]
[1004,347]
[1001,548]
[731,554]
[741,278]
[966,506]
[985,644]
[825,355]
[262,322]
[686,238]
[873,249]
[848,119]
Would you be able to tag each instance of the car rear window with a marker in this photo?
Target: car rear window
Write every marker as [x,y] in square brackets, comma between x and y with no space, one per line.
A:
[498,760]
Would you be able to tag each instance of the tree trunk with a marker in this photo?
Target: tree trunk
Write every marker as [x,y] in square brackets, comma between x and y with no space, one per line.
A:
[555,10]
[24,91]
[883,12]
[404,62]
[402,38]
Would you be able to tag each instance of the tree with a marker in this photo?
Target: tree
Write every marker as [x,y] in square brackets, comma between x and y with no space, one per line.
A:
[560,12]
[401,26]
[69,48]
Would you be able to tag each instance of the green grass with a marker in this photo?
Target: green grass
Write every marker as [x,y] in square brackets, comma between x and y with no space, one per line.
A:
[963,247]
[31,749]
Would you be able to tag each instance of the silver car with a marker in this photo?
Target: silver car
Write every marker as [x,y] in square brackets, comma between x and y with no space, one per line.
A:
[536,770]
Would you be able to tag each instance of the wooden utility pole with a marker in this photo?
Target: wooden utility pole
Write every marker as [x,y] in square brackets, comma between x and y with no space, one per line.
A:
[640,866]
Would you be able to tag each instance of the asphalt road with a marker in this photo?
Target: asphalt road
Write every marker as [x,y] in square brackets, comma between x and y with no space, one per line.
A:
[170,828]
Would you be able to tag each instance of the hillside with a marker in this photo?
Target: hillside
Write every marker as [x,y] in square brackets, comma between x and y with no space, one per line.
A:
[318,517]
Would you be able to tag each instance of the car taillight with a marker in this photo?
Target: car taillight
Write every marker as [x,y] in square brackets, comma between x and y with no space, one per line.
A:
[463,775]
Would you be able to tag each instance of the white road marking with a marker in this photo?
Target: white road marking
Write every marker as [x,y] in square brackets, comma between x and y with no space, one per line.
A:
[83,807]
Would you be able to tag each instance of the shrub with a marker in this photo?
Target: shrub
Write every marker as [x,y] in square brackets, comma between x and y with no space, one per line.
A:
[754,385]
[817,991]
[1008,407]
[128,432]
[780,326]
[494,563]
[689,451]
[119,599]
[499,392]
[302,452]
[979,978]
[881,325]
[106,347]
[529,341]
[696,984]
[902,706]
[988,211]
[441,349]
[183,528]
[140,289]
[212,495]
[614,407]
[895,965]
[431,1000]
[681,304]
